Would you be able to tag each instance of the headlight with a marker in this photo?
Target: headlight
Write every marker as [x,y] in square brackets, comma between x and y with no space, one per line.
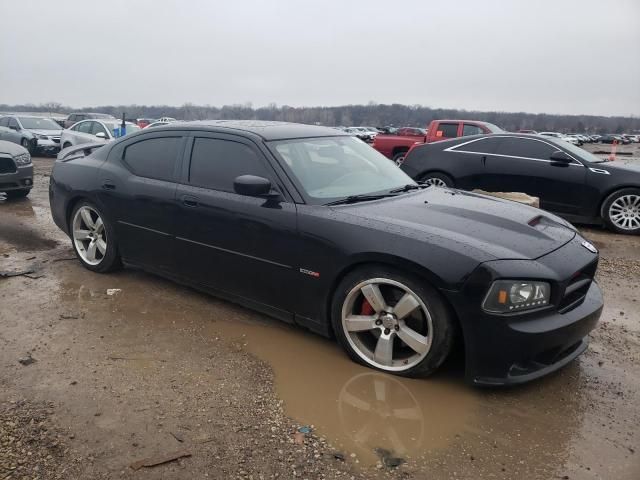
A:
[22,159]
[42,137]
[514,296]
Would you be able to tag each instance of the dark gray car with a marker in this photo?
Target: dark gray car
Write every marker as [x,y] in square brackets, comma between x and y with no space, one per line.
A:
[16,170]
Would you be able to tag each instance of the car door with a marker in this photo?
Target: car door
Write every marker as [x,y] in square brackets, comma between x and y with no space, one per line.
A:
[82,132]
[524,165]
[237,244]
[469,163]
[137,191]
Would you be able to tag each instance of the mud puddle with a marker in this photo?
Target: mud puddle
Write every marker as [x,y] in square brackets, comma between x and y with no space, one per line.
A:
[543,429]
[18,227]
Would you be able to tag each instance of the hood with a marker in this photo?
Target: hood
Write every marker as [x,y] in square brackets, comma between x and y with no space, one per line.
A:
[493,228]
[49,133]
[626,165]
[10,148]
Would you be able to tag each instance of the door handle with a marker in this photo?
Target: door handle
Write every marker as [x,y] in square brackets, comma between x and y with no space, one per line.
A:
[484,160]
[189,201]
[108,185]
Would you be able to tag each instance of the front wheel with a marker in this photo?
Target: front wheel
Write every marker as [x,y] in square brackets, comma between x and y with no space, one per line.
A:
[621,211]
[93,239]
[392,322]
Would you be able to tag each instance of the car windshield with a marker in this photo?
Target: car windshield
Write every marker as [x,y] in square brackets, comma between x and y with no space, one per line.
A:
[333,168]
[39,123]
[581,153]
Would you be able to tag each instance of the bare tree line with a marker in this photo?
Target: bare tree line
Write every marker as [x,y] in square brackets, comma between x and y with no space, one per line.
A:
[372,114]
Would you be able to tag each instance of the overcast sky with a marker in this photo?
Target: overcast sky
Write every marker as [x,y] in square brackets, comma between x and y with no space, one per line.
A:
[555,56]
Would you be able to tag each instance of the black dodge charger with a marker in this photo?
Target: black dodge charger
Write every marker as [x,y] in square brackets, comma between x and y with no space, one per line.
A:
[316,228]
[569,181]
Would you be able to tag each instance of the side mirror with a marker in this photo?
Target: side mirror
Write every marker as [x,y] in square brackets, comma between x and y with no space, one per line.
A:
[560,156]
[101,135]
[253,186]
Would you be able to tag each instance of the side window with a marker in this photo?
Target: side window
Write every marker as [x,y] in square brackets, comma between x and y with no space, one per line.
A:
[447,130]
[524,147]
[13,123]
[84,127]
[484,145]
[216,163]
[468,129]
[73,117]
[4,122]
[153,158]
[97,128]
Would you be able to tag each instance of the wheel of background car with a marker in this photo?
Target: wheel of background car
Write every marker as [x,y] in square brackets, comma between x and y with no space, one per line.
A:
[621,211]
[23,192]
[93,238]
[437,179]
[398,158]
[26,144]
[391,321]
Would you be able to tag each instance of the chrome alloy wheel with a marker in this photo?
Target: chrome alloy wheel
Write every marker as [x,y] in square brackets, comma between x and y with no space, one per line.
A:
[436,182]
[89,235]
[387,324]
[624,212]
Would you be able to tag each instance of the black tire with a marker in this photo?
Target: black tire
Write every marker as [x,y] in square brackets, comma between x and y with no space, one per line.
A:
[111,260]
[607,213]
[23,192]
[443,324]
[398,158]
[27,144]
[438,179]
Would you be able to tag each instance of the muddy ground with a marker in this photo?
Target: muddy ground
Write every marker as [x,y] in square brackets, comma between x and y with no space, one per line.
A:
[156,368]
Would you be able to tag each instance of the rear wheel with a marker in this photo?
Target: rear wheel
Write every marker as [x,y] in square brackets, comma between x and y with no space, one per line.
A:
[398,158]
[93,239]
[621,211]
[437,179]
[390,321]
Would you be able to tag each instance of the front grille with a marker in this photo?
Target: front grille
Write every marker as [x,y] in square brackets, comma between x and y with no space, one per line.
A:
[577,287]
[7,165]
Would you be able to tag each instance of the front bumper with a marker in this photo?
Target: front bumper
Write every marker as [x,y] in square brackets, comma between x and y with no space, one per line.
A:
[49,146]
[19,180]
[513,349]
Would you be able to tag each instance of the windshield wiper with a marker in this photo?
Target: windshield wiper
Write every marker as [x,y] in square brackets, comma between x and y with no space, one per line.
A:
[359,198]
[408,187]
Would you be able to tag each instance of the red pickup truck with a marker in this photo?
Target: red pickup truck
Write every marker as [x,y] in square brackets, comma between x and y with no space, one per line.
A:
[396,146]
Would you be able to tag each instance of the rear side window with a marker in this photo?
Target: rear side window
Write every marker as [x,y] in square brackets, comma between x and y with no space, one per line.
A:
[215,163]
[484,145]
[4,122]
[471,130]
[524,147]
[153,158]
[447,130]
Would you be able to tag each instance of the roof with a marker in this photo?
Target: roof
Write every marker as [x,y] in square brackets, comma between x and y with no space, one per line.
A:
[265,129]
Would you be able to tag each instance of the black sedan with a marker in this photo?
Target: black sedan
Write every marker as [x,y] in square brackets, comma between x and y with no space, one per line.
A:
[316,228]
[569,181]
